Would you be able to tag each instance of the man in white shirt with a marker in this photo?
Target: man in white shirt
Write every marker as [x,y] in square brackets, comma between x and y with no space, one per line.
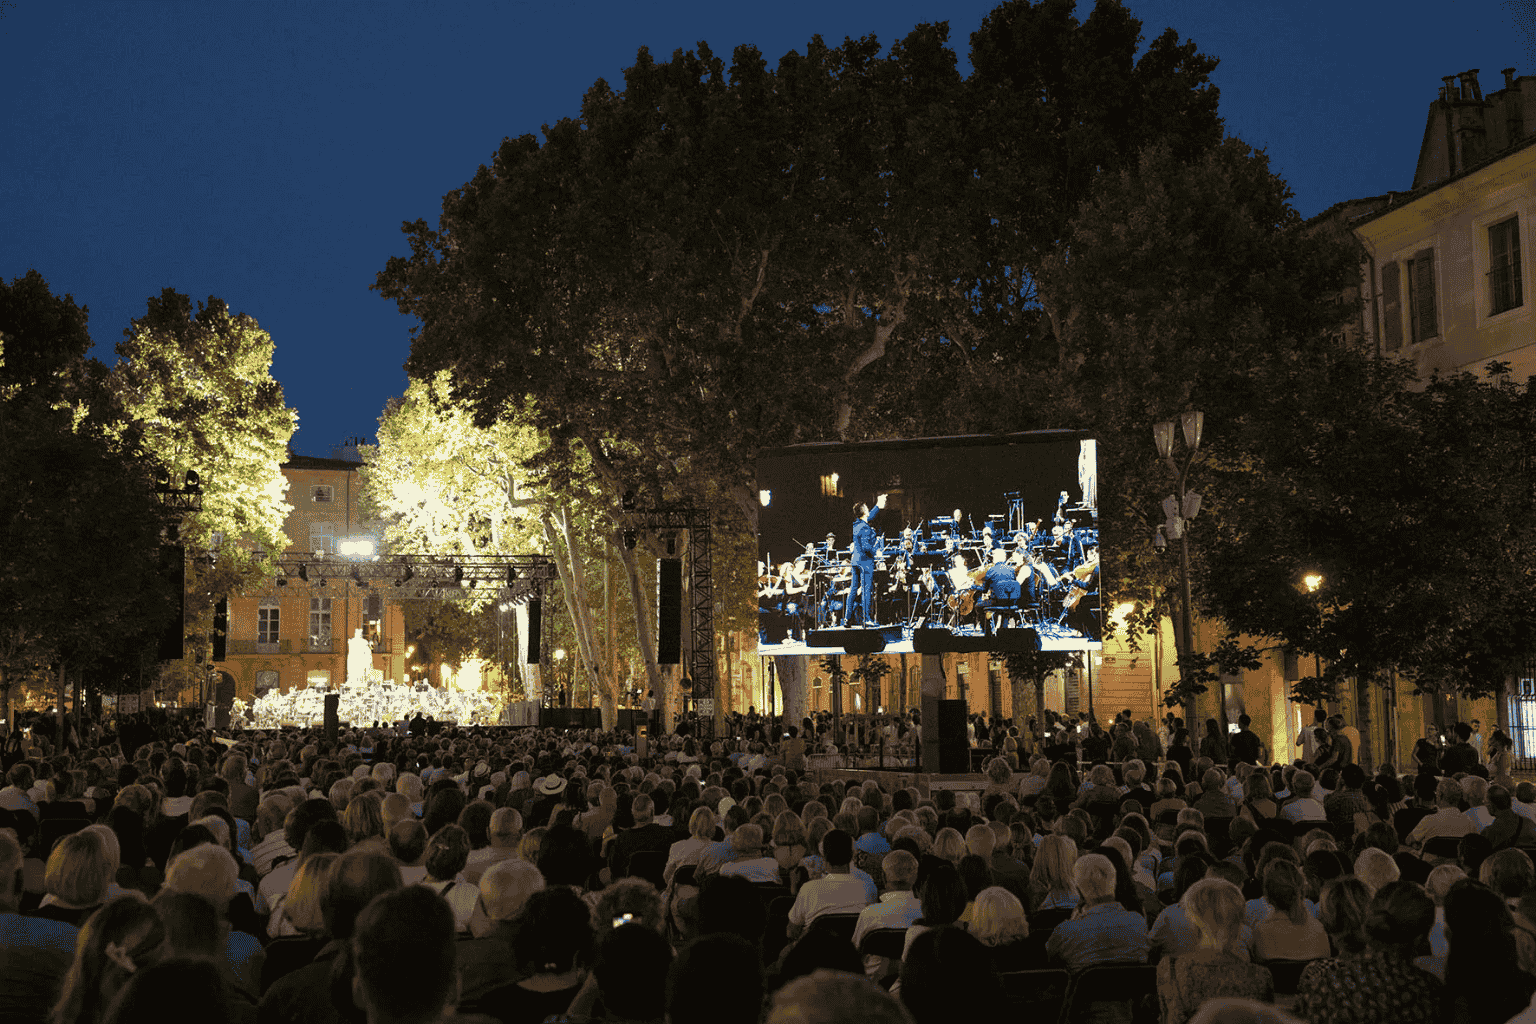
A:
[1303,807]
[839,891]
[15,796]
[505,832]
[747,843]
[274,841]
[898,907]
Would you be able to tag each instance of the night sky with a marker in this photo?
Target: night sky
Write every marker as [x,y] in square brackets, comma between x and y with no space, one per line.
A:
[267,153]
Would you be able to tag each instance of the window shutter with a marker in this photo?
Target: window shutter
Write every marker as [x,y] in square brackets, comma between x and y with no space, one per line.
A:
[1423,312]
[1504,266]
[1392,314]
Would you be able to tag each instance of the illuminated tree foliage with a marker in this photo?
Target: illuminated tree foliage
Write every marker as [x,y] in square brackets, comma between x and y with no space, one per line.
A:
[198,388]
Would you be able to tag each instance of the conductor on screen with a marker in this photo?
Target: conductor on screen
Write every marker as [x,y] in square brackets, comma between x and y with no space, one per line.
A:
[865,546]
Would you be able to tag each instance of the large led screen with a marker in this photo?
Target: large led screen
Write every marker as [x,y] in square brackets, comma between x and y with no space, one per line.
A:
[930,545]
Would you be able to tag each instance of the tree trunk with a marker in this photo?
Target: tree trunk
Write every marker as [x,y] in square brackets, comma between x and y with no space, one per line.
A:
[1018,688]
[643,637]
[59,723]
[1364,756]
[791,673]
[567,563]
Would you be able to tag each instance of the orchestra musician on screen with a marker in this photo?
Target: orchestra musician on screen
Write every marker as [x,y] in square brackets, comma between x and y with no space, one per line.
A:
[944,572]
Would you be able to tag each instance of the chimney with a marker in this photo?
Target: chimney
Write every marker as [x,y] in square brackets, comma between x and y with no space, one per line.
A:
[1509,77]
[1449,90]
[1470,89]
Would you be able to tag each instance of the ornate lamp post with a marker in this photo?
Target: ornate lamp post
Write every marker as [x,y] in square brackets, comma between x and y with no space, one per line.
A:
[1180,507]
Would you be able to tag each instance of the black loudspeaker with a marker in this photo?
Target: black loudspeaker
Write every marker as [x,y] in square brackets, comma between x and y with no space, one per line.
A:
[332,703]
[535,629]
[173,569]
[221,629]
[669,611]
[954,747]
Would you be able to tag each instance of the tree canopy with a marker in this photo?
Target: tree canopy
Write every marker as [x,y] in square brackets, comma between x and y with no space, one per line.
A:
[858,243]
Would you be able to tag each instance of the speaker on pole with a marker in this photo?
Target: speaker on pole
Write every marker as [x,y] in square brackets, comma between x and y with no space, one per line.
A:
[221,629]
[669,611]
[535,627]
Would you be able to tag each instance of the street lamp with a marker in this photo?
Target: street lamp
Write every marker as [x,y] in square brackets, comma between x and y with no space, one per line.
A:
[1180,507]
[1312,584]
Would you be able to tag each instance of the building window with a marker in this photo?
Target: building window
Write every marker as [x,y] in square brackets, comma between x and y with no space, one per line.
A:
[1391,307]
[322,494]
[1504,285]
[373,621]
[322,537]
[1422,320]
[267,624]
[319,620]
[829,485]
[266,681]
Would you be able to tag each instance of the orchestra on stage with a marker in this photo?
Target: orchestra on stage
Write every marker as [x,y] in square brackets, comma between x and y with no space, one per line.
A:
[964,573]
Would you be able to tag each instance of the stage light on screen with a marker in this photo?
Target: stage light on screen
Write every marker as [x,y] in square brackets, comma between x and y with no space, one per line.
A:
[967,545]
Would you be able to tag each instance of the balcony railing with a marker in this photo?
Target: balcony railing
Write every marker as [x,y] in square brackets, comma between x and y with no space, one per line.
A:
[320,645]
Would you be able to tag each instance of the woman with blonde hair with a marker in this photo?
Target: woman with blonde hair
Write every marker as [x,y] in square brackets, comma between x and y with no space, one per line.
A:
[1050,880]
[789,840]
[950,845]
[297,913]
[125,935]
[364,821]
[79,871]
[998,921]
[701,833]
[1212,970]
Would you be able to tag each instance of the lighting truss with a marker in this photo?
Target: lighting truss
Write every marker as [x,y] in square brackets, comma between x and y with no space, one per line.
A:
[504,578]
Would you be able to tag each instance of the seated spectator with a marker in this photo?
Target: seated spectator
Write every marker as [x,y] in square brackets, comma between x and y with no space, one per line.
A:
[564,858]
[177,990]
[1214,801]
[126,935]
[1258,804]
[1050,879]
[305,994]
[408,845]
[299,912]
[210,871]
[551,942]
[834,997]
[899,907]
[79,872]
[296,827]
[447,853]
[486,961]
[1383,987]
[1302,806]
[715,979]
[272,847]
[628,978]
[838,891]
[750,861]
[38,951]
[1506,828]
[1213,969]
[503,833]
[999,924]
[701,831]
[941,962]
[1483,980]
[1447,820]
[1100,930]
[403,955]
[1290,932]
[1376,869]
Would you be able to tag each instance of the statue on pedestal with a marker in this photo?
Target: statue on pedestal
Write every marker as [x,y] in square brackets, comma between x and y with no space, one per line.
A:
[359,658]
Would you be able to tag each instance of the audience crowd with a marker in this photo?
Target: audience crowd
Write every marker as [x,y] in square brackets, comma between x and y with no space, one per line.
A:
[524,875]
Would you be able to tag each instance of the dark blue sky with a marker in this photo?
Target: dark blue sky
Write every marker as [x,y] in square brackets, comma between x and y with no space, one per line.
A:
[268,152]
